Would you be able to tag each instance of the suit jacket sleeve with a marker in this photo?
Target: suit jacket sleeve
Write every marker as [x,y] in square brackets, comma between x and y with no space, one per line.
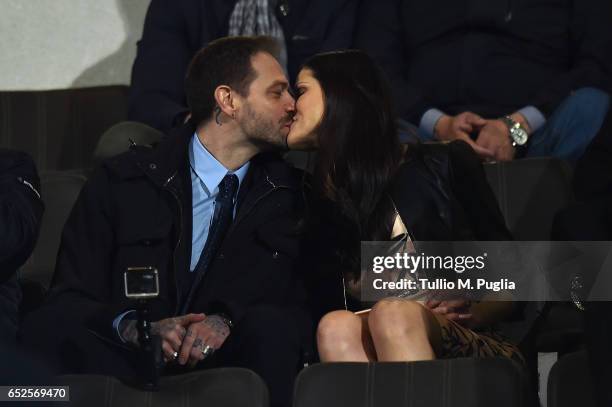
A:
[157,97]
[21,210]
[380,34]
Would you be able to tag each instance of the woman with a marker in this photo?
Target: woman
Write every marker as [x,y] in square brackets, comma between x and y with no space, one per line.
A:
[367,186]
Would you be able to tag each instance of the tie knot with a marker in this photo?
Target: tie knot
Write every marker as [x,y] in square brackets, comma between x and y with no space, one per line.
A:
[227,188]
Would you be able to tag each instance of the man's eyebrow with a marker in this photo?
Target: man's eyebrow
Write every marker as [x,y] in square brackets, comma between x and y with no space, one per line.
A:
[283,84]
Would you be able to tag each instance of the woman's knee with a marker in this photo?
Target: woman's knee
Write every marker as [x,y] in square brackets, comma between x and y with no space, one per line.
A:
[338,328]
[395,317]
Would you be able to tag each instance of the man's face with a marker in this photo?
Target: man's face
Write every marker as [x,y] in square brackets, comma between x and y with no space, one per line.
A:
[267,112]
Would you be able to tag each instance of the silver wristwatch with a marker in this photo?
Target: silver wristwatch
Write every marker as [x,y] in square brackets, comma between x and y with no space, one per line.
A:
[518,134]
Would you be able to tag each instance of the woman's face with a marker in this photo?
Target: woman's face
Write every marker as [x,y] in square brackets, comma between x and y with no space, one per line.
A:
[309,108]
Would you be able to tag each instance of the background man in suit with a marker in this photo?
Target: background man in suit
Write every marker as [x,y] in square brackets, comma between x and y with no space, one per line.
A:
[510,78]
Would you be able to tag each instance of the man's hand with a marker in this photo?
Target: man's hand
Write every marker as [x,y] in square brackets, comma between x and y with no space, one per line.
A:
[211,332]
[459,127]
[494,137]
[457,310]
[171,330]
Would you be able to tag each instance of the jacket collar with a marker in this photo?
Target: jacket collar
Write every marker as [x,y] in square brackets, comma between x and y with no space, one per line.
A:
[168,158]
[164,164]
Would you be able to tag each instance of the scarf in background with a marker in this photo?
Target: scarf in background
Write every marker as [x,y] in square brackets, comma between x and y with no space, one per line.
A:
[256,17]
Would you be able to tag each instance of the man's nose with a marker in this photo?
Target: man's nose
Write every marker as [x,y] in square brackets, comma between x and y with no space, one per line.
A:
[290,104]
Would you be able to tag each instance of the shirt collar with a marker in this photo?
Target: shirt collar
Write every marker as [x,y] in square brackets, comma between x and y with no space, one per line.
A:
[208,169]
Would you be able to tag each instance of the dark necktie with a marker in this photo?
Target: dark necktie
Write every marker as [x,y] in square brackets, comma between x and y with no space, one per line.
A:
[222,219]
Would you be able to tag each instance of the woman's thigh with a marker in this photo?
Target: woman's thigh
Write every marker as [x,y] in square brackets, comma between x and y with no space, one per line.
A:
[447,338]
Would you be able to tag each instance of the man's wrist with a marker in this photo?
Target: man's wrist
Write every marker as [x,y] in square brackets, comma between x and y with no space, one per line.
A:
[516,134]
[441,126]
[428,123]
[518,117]
[128,331]
[226,320]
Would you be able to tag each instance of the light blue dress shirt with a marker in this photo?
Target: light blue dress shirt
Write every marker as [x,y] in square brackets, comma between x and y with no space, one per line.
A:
[206,174]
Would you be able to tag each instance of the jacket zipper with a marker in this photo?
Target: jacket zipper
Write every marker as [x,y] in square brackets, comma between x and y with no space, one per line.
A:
[180,234]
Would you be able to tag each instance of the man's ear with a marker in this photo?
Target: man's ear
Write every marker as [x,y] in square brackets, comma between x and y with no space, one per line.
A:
[226,100]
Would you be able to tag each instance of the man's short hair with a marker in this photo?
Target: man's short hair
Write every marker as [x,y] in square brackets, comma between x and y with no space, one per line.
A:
[226,61]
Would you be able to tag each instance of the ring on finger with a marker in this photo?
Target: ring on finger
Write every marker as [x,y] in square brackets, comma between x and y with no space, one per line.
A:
[207,350]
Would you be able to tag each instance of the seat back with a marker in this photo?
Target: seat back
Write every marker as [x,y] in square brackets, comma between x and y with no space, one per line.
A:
[449,383]
[530,192]
[229,387]
[59,191]
[569,383]
[118,139]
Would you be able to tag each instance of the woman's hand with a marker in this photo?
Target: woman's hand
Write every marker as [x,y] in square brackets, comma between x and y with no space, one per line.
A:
[458,310]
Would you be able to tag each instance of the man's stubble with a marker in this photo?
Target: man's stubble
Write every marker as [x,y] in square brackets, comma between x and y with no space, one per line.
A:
[264,132]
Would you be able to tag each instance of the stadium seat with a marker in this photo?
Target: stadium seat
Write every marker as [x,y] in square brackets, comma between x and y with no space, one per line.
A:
[530,192]
[569,384]
[59,191]
[227,387]
[439,383]
[121,136]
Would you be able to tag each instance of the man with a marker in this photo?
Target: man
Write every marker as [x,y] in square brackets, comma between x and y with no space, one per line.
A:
[175,30]
[21,211]
[212,215]
[510,78]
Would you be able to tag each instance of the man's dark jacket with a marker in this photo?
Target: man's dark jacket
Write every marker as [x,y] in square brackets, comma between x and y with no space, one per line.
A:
[21,211]
[175,30]
[136,211]
[488,57]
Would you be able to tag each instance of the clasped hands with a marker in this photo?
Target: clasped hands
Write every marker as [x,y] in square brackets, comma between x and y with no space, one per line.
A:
[493,141]
[186,339]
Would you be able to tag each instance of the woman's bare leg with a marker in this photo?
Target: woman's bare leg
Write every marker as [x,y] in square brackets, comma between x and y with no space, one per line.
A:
[343,336]
[403,331]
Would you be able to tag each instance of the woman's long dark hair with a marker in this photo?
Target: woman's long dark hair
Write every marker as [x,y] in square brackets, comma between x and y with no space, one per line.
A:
[359,148]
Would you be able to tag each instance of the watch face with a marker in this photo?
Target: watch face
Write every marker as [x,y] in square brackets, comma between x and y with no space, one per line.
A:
[519,136]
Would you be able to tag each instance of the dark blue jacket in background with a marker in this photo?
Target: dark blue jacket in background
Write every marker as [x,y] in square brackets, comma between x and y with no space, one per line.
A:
[21,211]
